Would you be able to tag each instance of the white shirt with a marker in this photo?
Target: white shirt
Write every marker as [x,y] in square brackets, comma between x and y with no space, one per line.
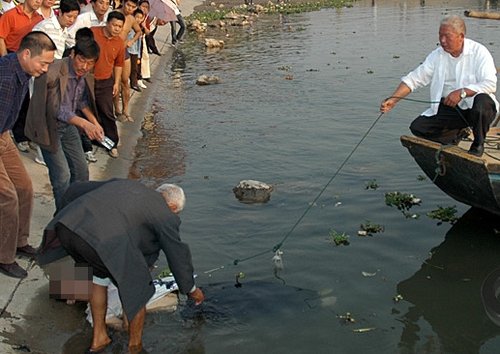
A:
[6,6]
[52,13]
[52,27]
[86,19]
[475,70]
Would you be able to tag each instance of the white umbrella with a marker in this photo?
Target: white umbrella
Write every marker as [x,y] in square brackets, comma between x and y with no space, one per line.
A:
[162,9]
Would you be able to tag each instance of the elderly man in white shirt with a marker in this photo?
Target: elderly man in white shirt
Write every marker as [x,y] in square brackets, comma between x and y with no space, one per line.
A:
[462,78]
[96,17]
[57,26]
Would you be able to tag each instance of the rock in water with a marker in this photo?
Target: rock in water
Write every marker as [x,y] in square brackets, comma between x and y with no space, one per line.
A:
[213,43]
[250,191]
[207,80]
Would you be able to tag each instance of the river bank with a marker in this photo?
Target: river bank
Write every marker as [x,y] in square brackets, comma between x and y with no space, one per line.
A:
[29,320]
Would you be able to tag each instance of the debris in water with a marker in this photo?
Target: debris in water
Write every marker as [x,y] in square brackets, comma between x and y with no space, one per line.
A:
[368,229]
[239,276]
[444,214]
[366,274]
[397,298]
[347,318]
[421,178]
[372,184]
[363,330]
[284,67]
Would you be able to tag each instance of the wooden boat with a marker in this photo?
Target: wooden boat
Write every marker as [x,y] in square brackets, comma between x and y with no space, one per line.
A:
[472,180]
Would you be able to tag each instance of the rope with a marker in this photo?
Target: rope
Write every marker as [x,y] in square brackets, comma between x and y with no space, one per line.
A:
[440,171]
[277,247]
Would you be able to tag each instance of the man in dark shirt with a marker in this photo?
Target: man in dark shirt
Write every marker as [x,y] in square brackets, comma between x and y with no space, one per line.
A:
[119,227]
[35,54]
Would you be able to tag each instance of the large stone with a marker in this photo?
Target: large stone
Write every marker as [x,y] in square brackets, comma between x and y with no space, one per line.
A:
[207,80]
[214,43]
[250,191]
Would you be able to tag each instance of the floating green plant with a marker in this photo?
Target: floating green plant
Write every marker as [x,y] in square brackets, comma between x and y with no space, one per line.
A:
[372,184]
[369,229]
[444,214]
[421,178]
[339,238]
[404,202]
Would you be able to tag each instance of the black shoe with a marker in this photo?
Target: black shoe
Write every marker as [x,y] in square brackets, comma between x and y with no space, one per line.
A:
[26,251]
[136,88]
[13,270]
[476,150]
[156,52]
[148,80]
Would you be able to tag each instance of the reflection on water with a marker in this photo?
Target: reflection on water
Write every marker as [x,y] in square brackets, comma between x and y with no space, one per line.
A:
[447,290]
[297,94]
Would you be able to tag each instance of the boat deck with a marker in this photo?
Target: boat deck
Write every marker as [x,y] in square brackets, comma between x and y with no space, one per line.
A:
[491,149]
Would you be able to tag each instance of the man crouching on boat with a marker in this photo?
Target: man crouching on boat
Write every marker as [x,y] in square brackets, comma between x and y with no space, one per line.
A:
[462,78]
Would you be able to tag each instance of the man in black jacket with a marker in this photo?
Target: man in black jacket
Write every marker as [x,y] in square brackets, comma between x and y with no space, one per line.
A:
[118,227]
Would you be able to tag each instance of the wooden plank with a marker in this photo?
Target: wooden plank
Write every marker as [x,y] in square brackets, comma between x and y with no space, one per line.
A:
[484,15]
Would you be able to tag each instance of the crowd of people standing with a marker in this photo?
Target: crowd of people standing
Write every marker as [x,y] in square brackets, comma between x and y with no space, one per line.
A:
[72,104]
[65,79]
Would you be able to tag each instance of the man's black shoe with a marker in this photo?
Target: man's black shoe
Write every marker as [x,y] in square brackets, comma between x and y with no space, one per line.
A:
[136,88]
[476,150]
[13,270]
[148,80]
[26,251]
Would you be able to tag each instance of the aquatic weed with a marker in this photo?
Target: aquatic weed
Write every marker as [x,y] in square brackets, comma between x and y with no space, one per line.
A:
[339,238]
[368,229]
[404,202]
[444,214]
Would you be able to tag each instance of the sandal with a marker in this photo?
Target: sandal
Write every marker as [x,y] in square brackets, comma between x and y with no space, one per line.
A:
[98,349]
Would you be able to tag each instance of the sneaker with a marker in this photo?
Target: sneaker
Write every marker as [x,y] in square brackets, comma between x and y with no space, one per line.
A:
[141,84]
[26,251]
[39,157]
[90,157]
[23,146]
[113,153]
[13,270]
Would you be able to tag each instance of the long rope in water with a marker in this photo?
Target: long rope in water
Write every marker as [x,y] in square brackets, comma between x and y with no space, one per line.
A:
[277,247]
[280,244]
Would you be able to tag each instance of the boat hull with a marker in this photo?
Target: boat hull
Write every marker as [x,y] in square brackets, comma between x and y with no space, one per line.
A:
[464,177]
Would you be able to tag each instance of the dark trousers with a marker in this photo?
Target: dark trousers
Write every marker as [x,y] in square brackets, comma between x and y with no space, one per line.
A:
[18,128]
[134,67]
[81,251]
[447,123]
[104,103]
[177,36]
[150,42]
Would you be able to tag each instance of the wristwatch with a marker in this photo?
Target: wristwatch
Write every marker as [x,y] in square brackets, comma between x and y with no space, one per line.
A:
[463,94]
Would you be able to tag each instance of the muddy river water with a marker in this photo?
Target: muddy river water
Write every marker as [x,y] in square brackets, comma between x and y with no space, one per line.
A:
[297,94]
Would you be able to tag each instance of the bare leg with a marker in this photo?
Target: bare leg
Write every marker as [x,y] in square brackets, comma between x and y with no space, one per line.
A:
[125,86]
[136,327]
[98,308]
